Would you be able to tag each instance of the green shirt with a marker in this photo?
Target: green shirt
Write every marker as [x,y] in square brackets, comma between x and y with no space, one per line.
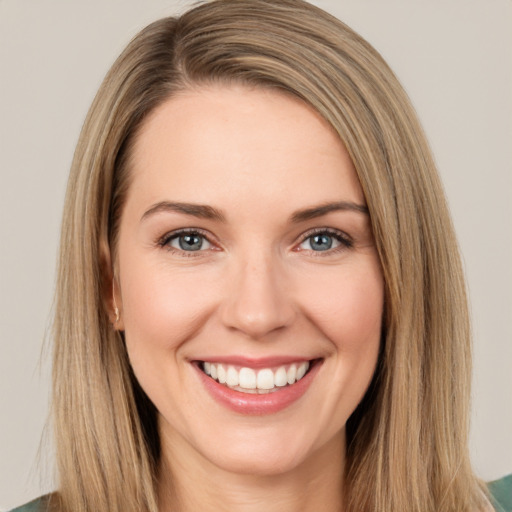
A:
[500,490]
[501,493]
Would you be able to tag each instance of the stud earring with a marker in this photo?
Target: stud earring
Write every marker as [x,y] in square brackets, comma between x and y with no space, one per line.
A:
[116,309]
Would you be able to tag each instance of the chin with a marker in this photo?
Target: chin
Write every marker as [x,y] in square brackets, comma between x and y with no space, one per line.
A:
[259,463]
[271,452]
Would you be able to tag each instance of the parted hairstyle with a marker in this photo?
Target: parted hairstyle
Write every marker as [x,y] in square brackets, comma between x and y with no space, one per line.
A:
[407,442]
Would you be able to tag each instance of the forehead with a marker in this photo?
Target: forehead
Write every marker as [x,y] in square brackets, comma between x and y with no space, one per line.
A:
[233,144]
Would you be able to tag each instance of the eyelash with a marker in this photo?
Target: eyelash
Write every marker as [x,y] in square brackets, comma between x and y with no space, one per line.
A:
[342,238]
[165,240]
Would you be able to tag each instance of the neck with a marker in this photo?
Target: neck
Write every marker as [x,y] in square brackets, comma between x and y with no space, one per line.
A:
[189,482]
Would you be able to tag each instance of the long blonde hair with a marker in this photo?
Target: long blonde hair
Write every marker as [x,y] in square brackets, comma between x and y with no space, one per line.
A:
[407,440]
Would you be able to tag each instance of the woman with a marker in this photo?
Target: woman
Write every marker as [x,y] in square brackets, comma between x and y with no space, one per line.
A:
[260,304]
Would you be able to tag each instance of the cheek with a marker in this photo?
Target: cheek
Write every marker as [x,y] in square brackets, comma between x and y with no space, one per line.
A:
[349,314]
[161,307]
[347,306]
[161,310]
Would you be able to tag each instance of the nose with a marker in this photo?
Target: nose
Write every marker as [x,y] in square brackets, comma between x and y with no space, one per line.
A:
[257,301]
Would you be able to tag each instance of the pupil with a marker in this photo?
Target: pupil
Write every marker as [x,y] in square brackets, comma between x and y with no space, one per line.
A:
[190,242]
[321,242]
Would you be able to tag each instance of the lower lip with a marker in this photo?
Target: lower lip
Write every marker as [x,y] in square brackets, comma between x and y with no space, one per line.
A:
[254,404]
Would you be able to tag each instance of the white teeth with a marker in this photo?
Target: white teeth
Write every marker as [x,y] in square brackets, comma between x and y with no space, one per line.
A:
[265,379]
[301,370]
[221,374]
[247,378]
[232,379]
[252,381]
[291,374]
[280,378]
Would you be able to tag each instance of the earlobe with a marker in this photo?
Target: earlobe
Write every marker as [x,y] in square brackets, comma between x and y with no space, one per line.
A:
[117,323]
[116,309]
[108,287]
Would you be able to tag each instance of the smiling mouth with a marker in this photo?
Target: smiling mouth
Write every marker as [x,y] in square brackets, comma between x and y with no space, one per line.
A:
[260,381]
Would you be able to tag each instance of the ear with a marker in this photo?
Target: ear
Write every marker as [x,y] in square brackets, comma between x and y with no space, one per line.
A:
[110,290]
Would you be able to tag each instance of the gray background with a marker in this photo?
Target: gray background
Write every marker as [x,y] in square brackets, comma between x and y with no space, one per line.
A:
[454,58]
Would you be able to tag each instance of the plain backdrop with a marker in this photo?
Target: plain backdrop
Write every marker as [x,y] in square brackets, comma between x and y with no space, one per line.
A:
[454,58]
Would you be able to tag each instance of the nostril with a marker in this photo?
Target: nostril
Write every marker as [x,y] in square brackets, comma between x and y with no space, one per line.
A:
[256,301]
[257,319]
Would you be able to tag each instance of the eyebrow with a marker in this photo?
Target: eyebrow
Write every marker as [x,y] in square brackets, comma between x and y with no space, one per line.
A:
[203,211]
[195,210]
[324,209]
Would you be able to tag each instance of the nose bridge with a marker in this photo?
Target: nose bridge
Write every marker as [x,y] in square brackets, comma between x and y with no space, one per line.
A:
[256,301]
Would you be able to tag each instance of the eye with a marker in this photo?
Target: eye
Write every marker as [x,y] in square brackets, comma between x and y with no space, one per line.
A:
[189,241]
[322,241]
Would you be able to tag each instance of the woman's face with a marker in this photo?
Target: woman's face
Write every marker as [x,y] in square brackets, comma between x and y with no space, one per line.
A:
[246,252]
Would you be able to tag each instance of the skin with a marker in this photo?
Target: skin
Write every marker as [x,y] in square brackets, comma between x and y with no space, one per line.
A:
[257,288]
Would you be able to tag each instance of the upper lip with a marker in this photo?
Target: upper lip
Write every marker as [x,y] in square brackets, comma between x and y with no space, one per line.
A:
[256,362]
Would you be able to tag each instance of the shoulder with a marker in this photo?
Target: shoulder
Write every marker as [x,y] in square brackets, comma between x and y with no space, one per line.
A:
[37,505]
[501,493]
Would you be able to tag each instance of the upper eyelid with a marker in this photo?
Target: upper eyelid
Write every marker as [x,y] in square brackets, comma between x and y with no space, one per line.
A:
[182,231]
[164,239]
[330,231]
